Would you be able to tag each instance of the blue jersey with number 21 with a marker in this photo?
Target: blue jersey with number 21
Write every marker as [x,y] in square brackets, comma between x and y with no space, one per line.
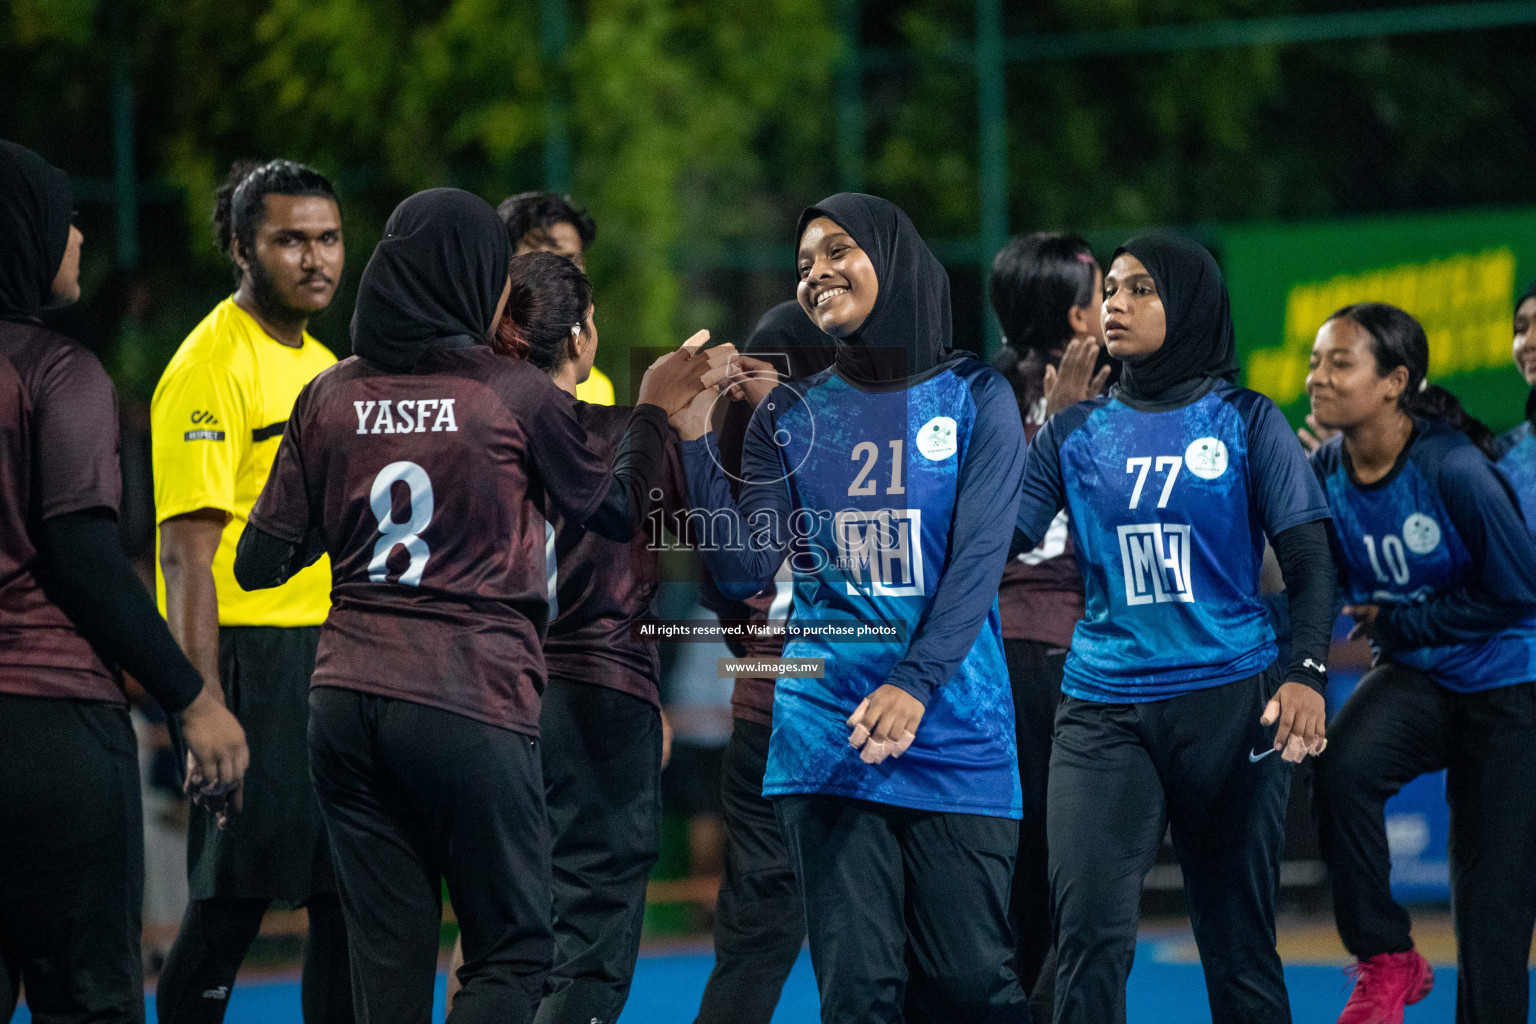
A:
[898,503]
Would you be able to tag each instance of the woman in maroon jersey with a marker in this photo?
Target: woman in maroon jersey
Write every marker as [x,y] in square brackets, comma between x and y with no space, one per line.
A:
[601,723]
[72,614]
[1045,290]
[422,465]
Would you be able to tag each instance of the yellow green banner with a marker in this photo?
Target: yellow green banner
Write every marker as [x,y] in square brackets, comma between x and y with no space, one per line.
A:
[1458,273]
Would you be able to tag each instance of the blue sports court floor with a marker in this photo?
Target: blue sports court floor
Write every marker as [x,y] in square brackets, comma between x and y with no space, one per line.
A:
[1164,989]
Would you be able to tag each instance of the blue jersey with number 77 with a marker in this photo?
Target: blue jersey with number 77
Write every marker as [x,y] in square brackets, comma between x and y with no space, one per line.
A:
[1168,509]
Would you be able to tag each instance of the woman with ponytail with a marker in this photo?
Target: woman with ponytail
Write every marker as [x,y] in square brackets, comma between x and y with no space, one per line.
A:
[604,738]
[1439,572]
[1045,289]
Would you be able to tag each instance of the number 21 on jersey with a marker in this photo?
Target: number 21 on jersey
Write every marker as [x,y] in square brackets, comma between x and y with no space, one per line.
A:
[880,551]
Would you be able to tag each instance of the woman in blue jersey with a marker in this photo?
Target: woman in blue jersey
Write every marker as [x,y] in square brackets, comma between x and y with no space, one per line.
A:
[889,480]
[1172,482]
[1515,449]
[1440,572]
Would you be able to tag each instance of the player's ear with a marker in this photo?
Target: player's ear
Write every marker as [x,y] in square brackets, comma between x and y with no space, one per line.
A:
[1397,383]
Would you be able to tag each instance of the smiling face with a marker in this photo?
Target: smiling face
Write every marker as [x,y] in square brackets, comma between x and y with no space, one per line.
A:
[1344,382]
[838,286]
[1135,323]
[1525,340]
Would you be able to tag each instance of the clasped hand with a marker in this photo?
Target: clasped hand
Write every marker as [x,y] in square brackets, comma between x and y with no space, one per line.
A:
[1299,715]
[885,724]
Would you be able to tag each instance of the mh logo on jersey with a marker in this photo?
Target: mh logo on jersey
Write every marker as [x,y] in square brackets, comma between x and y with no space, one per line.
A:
[881,552]
[1156,561]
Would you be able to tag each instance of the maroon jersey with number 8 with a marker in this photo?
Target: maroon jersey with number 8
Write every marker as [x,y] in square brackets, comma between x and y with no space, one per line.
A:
[427,489]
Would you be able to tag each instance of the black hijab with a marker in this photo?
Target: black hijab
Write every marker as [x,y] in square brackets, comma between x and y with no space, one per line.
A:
[908,331]
[786,329]
[36,203]
[435,277]
[1200,344]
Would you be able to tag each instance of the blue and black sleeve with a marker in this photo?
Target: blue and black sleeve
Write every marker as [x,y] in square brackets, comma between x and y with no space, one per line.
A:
[1295,512]
[985,502]
[749,533]
[1500,588]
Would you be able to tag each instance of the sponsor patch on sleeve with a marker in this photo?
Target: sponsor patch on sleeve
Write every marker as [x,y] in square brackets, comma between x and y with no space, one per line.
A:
[203,435]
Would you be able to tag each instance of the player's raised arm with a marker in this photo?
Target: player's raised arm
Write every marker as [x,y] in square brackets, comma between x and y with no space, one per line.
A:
[748,532]
[613,500]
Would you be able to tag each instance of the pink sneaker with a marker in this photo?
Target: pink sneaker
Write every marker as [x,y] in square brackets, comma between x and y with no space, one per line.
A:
[1384,985]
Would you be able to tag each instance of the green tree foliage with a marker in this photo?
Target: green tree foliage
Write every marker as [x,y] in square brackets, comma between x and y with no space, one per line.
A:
[699,128]
[693,123]
[1239,134]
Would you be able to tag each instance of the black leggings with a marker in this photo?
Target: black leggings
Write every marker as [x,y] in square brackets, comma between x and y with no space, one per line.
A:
[1035,670]
[1396,726]
[759,919]
[414,796]
[71,861]
[1121,775]
[215,935]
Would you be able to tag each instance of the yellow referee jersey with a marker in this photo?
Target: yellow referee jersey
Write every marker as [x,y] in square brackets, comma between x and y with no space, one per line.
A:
[216,421]
[597,389]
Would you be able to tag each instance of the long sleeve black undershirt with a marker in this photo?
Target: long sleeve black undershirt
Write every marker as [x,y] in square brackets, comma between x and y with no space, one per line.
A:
[89,577]
[262,560]
[1306,565]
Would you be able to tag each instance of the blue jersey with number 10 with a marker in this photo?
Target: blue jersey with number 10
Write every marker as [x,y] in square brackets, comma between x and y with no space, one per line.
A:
[1440,545]
[1168,510]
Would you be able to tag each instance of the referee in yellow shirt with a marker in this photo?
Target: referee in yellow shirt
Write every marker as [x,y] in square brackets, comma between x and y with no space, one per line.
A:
[545,222]
[217,417]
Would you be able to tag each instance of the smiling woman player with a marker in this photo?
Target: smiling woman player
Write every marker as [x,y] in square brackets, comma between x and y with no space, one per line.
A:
[889,480]
[1440,572]
[1172,482]
[1516,449]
